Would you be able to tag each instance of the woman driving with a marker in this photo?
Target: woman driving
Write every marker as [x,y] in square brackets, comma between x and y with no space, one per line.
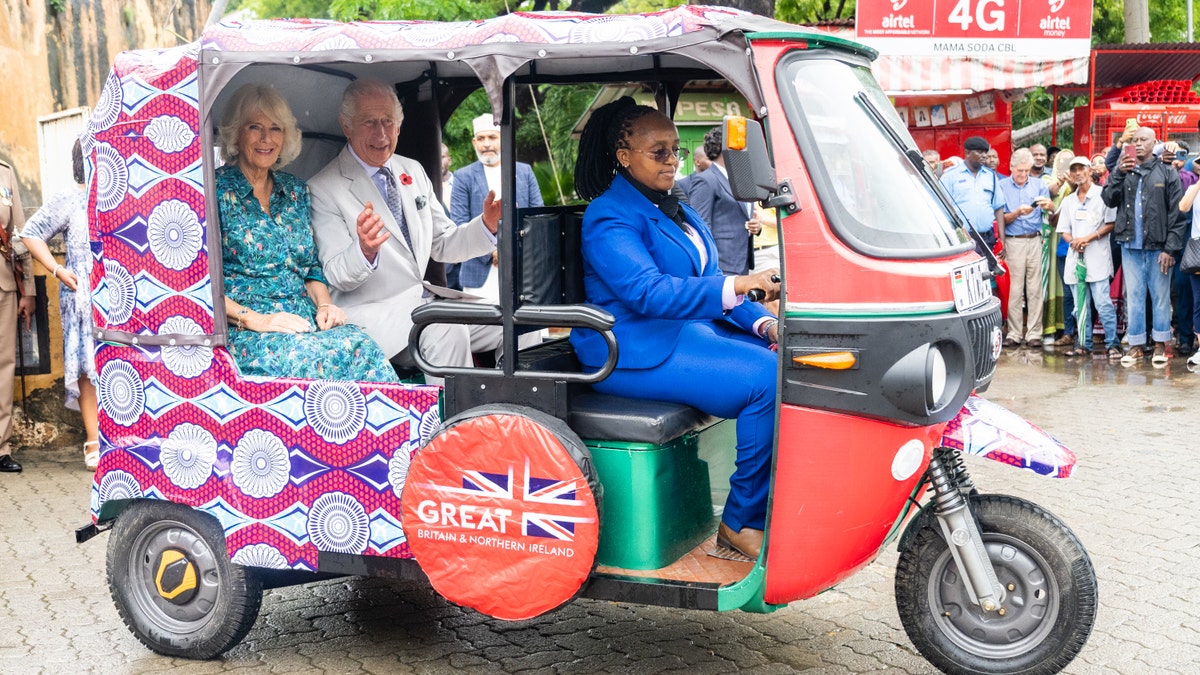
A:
[686,334]
[283,322]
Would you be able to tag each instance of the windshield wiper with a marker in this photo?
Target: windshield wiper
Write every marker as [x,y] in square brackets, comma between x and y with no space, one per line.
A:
[922,167]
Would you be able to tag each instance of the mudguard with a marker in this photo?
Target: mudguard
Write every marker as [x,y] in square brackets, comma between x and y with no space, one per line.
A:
[989,430]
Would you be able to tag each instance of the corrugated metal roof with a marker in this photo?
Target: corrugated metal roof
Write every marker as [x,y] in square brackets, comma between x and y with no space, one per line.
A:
[1123,65]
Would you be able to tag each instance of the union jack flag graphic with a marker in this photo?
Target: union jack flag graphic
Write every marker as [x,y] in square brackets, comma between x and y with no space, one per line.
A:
[556,501]
[550,492]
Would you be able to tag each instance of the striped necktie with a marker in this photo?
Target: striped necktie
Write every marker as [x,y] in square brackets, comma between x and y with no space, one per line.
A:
[392,195]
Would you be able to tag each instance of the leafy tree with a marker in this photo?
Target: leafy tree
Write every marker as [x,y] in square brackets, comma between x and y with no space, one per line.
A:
[812,11]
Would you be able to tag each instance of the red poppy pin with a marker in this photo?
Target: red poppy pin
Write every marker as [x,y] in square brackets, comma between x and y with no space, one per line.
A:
[405,179]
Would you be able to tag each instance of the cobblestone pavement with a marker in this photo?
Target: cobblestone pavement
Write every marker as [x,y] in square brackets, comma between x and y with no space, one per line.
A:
[1130,502]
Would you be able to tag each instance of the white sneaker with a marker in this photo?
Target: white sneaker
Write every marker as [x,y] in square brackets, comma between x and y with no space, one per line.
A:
[1194,359]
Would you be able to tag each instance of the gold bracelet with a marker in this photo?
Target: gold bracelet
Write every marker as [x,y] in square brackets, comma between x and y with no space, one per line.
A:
[240,315]
[321,307]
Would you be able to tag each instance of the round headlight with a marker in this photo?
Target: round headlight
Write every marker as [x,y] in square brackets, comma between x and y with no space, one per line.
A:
[936,377]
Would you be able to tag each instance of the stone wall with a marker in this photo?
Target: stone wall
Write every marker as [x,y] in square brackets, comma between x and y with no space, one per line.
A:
[55,55]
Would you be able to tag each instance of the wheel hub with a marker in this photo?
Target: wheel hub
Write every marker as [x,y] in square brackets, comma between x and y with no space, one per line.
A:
[175,577]
[1027,615]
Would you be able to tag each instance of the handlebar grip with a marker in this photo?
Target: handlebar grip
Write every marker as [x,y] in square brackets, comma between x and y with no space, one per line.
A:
[755,294]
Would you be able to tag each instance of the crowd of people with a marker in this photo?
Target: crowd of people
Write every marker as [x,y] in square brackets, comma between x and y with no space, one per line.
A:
[1087,243]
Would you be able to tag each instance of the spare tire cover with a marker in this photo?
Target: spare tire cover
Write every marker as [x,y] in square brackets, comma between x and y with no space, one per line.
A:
[501,511]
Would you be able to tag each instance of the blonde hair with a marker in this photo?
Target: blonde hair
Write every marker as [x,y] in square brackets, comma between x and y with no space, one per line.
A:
[247,100]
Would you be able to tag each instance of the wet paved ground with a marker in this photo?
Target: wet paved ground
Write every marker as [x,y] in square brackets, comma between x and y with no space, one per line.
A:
[1131,502]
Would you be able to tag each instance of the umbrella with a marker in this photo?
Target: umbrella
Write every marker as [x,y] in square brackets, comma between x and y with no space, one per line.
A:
[1082,305]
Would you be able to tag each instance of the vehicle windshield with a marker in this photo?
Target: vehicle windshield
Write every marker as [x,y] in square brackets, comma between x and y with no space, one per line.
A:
[869,176]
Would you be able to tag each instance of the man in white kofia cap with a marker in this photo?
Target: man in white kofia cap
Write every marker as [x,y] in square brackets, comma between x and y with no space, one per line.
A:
[471,185]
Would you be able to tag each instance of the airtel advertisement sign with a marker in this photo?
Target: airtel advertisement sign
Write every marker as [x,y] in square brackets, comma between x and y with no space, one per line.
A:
[1055,29]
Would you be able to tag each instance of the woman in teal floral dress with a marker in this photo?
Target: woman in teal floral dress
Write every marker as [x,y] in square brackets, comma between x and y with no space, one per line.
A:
[283,322]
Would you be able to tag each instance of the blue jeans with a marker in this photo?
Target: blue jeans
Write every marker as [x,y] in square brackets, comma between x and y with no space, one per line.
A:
[1102,299]
[1141,276]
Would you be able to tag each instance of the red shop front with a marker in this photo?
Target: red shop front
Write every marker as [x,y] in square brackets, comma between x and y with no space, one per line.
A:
[1151,83]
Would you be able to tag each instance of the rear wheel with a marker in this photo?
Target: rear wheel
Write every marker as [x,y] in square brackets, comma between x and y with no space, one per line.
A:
[173,583]
[1050,586]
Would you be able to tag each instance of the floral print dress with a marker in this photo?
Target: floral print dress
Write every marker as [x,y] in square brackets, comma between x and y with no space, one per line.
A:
[266,260]
[66,213]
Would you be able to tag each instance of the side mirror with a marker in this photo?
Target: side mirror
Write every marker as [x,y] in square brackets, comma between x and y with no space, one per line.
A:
[751,174]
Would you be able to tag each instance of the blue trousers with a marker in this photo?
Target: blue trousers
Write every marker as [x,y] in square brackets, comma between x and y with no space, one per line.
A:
[1143,276]
[722,371]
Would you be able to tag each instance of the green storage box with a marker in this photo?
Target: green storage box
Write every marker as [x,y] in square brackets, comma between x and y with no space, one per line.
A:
[659,500]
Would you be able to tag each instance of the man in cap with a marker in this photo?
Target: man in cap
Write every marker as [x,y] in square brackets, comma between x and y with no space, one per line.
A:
[976,190]
[1084,223]
[1021,226]
[472,184]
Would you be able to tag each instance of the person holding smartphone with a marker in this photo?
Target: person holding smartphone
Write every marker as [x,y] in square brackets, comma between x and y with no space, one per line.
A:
[1151,231]
[1024,199]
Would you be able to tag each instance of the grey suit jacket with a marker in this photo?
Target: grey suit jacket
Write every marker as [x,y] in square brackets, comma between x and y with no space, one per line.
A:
[381,300]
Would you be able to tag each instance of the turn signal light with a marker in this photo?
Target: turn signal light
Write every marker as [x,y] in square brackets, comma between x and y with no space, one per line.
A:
[735,132]
[829,360]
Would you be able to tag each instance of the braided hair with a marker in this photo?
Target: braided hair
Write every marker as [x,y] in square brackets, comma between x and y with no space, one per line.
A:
[608,129]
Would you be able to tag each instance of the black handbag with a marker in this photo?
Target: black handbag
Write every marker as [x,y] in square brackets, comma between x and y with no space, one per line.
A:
[1190,262]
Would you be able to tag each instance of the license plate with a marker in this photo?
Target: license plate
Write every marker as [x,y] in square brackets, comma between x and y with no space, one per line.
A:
[971,285]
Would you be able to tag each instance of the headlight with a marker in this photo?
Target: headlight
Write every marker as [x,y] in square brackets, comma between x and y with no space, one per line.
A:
[925,380]
[935,375]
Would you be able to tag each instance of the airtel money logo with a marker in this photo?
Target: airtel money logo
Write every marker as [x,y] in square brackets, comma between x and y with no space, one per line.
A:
[1055,5]
[895,20]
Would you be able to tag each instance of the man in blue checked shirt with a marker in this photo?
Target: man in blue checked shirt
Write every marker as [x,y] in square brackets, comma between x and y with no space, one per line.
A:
[1024,200]
[976,190]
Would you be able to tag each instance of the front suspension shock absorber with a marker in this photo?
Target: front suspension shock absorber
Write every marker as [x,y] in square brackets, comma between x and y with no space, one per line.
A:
[960,530]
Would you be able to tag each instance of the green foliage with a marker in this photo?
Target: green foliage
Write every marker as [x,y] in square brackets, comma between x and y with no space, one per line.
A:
[561,107]
[1168,21]
[56,6]
[640,6]
[812,11]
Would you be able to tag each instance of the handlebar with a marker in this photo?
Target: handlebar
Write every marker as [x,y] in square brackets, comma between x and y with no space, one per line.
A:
[543,316]
[757,294]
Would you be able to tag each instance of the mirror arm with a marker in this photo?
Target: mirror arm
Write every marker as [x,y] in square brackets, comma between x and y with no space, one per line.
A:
[783,197]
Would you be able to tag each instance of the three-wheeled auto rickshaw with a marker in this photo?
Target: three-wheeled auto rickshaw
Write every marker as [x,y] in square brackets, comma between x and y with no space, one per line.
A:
[517,488]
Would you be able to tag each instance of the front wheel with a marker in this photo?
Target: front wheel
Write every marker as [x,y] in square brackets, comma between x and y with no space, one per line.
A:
[1050,587]
[173,583]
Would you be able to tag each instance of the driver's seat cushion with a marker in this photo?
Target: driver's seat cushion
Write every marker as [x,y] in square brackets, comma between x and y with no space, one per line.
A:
[618,418]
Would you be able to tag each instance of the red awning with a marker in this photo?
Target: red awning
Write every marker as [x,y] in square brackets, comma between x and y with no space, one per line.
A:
[968,74]
[928,74]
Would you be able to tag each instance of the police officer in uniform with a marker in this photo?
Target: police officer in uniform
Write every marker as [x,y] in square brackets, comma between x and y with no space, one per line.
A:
[16,299]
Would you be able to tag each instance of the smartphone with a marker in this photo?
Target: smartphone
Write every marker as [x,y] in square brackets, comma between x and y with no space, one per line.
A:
[1130,151]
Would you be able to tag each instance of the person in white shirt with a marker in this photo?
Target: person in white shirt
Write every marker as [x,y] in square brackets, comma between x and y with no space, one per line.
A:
[1085,222]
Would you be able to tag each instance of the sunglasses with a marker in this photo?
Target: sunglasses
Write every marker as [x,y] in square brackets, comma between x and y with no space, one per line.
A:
[661,155]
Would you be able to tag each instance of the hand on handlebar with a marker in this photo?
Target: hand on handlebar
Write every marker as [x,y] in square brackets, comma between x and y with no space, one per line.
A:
[758,287]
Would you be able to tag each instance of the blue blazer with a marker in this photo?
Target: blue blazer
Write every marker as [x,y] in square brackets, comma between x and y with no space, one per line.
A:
[640,266]
[466,202]
[709,193]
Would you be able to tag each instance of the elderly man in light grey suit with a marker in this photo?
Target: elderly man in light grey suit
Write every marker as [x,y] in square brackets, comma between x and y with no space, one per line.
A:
[377,223]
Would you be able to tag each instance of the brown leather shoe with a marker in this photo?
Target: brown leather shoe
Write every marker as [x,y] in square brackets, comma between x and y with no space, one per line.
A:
[746,541]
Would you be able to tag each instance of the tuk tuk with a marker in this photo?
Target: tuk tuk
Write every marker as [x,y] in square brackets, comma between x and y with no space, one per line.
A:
[516,488]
